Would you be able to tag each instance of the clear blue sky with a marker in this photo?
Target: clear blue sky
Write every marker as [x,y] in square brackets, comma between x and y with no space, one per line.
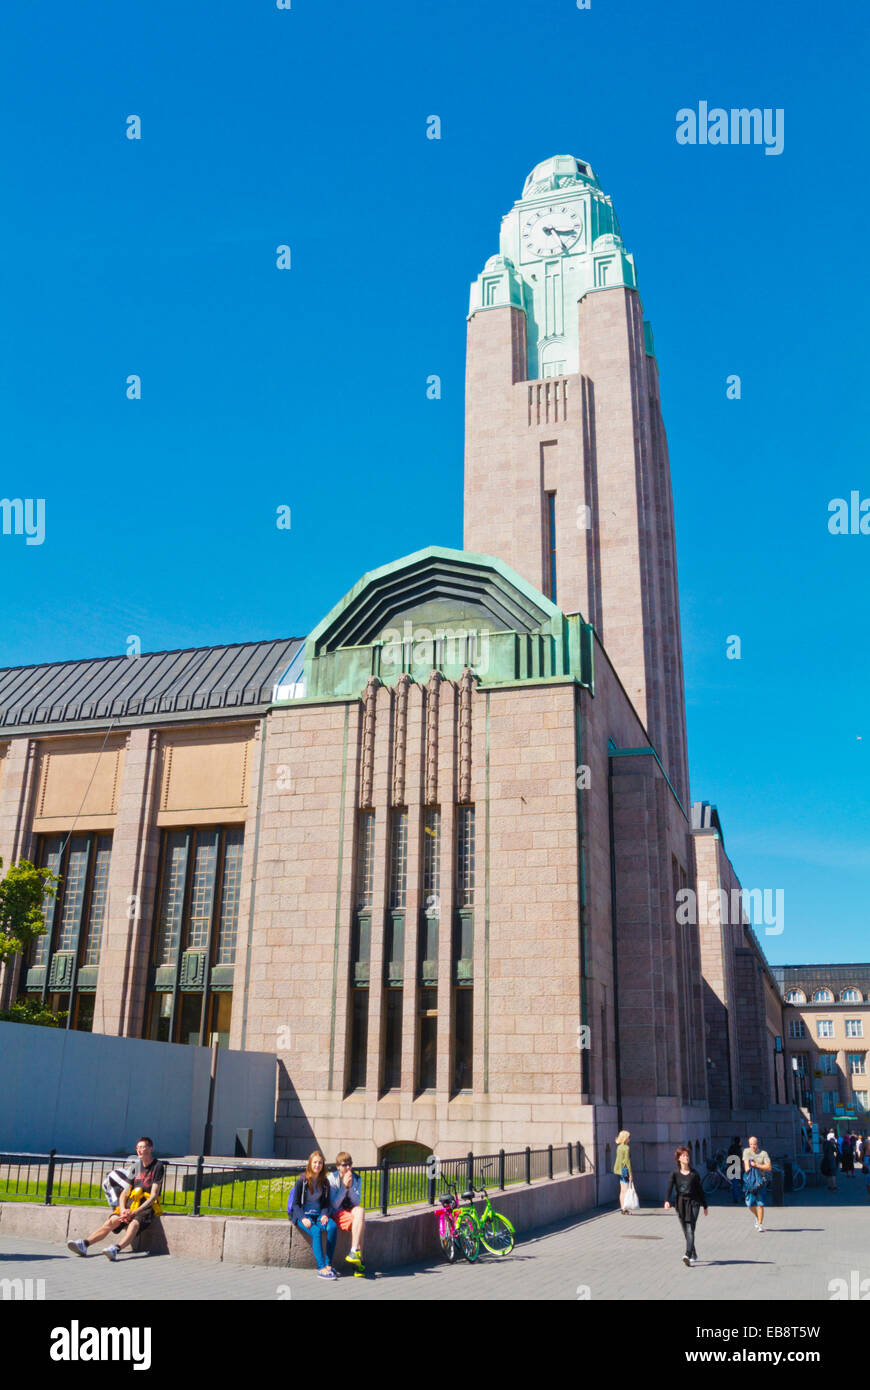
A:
[307,388]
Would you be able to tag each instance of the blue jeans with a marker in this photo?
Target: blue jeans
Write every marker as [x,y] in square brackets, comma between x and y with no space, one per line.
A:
[316,1232]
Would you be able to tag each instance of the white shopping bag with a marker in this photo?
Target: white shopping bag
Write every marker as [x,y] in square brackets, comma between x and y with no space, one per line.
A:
[631,1201]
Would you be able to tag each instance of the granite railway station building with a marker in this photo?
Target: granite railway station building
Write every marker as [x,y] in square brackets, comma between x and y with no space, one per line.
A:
[430,854]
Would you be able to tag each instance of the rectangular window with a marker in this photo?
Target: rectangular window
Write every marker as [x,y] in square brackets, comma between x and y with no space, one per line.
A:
[859,1101]
[796,1028]
[828,1063]
[465,856]
[463,1069]
[856,1063]
[175,846]
[828,1100]
[99,894]
[432,859]
[393,1040]
[426,1069]
[159,1017]
[49,857]
[74,917]
[202,889]
[74,880]
[550,498]
[399,859]
[219,1021]
[854,1028]
[359,1038]
[801,1063]
[197,911]
[231,882]
[824,1028]
[365,859]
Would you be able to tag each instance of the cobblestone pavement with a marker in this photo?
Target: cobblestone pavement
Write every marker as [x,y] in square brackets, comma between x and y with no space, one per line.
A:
[816,1238]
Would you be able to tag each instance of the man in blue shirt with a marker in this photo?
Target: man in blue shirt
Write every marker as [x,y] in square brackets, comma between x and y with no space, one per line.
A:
[347,1208]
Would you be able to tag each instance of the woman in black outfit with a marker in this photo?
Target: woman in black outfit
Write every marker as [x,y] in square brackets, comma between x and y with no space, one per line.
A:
[686,1184]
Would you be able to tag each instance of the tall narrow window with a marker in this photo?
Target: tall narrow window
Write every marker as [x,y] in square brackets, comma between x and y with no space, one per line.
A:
[399,859]
[432,859]
[463,1066]
[202,889]
[465,856]
[359,1038]
[74,924]
[99,893]
[366,859]
[50,854]
[551,543]
[393,1040]
[428,1037]
[172,896]
[230,888]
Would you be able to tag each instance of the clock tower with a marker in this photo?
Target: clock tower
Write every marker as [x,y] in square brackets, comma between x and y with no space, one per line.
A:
[566,466]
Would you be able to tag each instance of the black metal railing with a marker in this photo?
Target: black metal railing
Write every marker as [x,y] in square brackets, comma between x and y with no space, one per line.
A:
[202,1187]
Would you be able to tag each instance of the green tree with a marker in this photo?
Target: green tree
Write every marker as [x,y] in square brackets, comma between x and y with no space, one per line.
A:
[23,892]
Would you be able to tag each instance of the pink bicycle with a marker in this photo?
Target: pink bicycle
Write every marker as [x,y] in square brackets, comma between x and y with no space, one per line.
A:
[456,1226]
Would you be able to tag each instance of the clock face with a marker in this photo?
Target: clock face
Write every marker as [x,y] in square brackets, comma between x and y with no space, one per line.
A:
[552,230]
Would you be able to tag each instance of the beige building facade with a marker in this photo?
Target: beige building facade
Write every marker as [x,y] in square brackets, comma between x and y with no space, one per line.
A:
[436,855]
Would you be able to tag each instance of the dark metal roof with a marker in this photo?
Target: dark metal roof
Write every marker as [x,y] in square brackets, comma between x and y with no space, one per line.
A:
[151,688]
[811,977]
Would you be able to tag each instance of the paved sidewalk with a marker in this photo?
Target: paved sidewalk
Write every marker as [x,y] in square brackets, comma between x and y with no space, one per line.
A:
[816,1238]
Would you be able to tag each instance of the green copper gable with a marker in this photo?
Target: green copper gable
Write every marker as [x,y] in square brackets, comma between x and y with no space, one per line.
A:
[444,610]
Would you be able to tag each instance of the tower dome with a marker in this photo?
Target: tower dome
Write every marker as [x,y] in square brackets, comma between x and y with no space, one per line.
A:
[558,172]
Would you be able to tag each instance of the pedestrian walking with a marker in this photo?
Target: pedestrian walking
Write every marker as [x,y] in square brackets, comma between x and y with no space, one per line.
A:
[830,1161]
[622,1168]
[848,1158]
[685,1184]
[757,1166]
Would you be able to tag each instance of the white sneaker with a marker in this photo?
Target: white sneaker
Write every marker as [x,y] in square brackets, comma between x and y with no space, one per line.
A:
[760,1229]
[112,1252]
[78,1247]
[693,1261]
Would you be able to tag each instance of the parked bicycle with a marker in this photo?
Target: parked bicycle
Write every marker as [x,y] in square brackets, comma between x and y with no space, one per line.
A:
[456,1226]
[496,1233]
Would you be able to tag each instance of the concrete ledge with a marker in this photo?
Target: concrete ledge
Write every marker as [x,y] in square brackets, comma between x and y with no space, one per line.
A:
[405,1237]
[30,1219]
[257,1242]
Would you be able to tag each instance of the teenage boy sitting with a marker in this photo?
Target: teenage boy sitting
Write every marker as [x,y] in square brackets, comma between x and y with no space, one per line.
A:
[149,1178]
[346,1203]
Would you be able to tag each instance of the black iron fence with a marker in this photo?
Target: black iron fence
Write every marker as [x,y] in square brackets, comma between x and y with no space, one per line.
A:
[202,1187]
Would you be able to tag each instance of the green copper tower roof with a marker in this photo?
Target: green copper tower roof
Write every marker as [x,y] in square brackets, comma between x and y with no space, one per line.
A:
[559,242]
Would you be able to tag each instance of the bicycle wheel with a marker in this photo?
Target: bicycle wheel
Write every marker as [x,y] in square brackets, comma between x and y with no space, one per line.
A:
[798,1179]
[468,1237]
[710,1181]
[445,1235]
[497,1235]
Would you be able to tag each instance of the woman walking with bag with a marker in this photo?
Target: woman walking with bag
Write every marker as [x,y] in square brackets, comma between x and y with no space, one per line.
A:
[685,1182]
[622,1169]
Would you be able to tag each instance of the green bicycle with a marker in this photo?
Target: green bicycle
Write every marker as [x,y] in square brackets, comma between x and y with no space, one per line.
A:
[496,1233]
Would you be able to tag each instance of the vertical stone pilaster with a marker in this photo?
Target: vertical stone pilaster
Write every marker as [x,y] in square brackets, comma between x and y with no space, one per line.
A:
[17,779]
[119,1007]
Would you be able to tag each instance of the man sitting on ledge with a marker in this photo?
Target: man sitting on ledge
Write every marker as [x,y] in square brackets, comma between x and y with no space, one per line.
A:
[347,1209]
[132,1218]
